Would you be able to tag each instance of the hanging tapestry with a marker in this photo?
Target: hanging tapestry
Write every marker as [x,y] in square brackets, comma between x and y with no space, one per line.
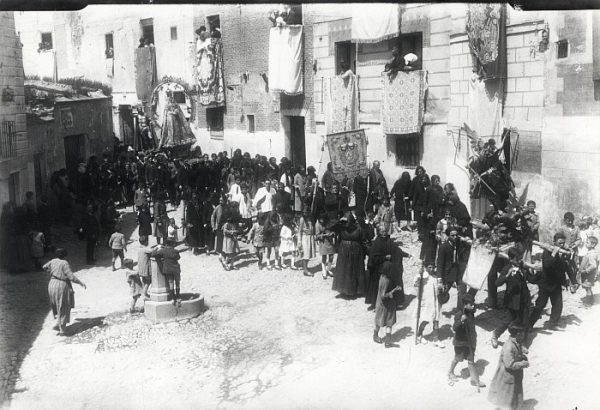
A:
[285,60]
[145,72]
[375,22]
[486,29]
[209,72]
[341,104]
[348,153]
[403,102]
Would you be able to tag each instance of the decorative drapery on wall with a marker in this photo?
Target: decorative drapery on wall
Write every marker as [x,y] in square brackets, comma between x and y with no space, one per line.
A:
[596,45]
[485,107]
[285,59]
[145,72]
[374,22]
[209,72]
[486,29]
[47,67]
[403,102]
[348,153]
[341,104]
[339,30]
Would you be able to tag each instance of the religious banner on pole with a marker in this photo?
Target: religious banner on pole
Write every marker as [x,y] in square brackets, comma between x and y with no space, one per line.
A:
[348,153]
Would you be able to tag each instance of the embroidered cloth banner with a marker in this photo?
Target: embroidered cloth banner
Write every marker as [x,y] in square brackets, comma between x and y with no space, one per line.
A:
[209,72]
[145,72]
[341,104]
[348,153]
[486,29]
[285,60]
[403,102]
[339,30]
[374,22]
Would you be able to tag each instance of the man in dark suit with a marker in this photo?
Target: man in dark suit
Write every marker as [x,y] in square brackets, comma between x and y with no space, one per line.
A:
[554,267]
[448,263]
[91,231]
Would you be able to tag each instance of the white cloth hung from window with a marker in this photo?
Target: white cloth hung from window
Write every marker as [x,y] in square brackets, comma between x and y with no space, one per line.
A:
[374,22]
[285,60]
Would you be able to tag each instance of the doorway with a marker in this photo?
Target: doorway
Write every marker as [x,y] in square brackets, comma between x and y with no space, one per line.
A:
[39,169]
[74,154]
[126,125]
[297,141]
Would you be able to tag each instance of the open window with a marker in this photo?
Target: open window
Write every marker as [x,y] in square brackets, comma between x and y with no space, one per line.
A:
[109,50]
[147,26]
[562,49]
[345,54]
[46,42]
[408,150]
[213,23]
[173,33]
[214,121]
[251,126]
[410,43]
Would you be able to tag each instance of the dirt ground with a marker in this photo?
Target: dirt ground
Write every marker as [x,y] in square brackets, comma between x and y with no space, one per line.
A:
[276,339]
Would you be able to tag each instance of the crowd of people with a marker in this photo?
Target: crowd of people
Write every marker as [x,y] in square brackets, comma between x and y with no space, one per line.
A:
[290,217]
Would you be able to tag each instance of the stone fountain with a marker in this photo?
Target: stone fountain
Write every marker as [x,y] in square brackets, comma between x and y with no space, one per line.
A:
[160,307]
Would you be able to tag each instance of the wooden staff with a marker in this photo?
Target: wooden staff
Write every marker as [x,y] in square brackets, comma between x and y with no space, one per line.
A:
[553,248]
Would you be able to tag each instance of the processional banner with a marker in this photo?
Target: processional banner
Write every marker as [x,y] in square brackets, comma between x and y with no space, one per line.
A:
[348,153]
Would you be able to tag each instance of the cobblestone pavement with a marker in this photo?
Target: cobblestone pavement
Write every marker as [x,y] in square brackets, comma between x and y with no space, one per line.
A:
[268,340]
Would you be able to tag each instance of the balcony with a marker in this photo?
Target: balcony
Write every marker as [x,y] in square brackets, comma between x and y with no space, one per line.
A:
[8,140]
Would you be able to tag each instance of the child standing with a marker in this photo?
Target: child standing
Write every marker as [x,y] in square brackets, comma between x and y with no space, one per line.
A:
[118,244]
[589,267]
[465,340]
[230,244]
[306,230]
[385,214]
[172,231]
[506,389]
[287,239]
[144,266]
[325,239]
[134,281]
[274,240]
[37,249]
[385,306]
[169,258]
[256,236]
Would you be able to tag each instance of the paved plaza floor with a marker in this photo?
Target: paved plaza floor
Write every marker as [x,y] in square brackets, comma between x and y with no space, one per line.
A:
[267,340]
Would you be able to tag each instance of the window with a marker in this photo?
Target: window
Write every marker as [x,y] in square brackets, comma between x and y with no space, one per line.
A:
[345,53]
[8,140]
[148,29]
[597,90]
[408,152]
[410,43]
[173,33]
[214,121]
[250,118]
[46,42]
[109,50]
[213,22]
[562,49]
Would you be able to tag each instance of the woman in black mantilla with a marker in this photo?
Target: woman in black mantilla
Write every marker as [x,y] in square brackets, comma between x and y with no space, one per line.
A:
[349,277]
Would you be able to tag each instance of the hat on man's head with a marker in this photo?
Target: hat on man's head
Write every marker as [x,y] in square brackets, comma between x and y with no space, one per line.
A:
[61,252]
[200,29]
[468,299]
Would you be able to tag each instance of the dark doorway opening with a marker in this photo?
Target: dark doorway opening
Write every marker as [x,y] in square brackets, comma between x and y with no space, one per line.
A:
[126,125]
[74,154]
[297,141]
[39,169]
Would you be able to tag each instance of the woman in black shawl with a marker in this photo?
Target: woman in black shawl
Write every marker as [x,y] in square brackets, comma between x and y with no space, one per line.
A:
[349,277]
[401,195]
[419,198]
[384,248]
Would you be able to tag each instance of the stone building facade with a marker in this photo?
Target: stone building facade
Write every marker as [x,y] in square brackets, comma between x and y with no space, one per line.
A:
[16,166]
[548,98]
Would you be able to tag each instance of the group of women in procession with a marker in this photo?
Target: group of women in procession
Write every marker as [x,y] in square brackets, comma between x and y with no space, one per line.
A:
[289,218]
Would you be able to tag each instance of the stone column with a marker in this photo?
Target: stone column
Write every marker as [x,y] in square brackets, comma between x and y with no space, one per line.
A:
[159,291]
